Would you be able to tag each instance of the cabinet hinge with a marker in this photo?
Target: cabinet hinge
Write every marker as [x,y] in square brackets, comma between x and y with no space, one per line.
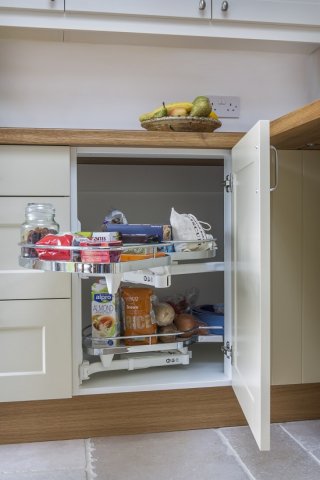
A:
[227,350]
[227,183]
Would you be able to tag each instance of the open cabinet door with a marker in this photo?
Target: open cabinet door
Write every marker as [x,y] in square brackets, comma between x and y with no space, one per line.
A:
[250,238]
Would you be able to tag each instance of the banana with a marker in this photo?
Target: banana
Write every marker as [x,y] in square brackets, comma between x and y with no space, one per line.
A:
[213,115]
[169,107]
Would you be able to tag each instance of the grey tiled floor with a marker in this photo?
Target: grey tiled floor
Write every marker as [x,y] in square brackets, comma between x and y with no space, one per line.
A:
[220,454]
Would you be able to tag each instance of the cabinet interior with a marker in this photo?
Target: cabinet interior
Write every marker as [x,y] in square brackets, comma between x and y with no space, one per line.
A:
[145,194]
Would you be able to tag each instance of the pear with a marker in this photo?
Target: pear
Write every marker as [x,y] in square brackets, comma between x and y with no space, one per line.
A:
[161,113]
[201,107]
[198,99]
[178,112]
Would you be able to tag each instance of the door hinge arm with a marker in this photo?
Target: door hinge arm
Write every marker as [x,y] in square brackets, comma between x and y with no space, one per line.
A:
[227,183]
[227,351]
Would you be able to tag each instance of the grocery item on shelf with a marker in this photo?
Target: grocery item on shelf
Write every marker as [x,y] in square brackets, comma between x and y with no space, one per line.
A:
[91,236]
[188,227]
[139,238]
[168,329]
[105,309]
[55,255]
[185,322]
[102,256]
[207,314]
[163,231]
[202,331]
[114,216]
[39,222]
[138,315]
[164,312]
[134,257]
[182,303]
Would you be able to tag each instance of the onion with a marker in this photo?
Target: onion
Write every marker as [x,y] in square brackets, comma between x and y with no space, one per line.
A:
[185,322]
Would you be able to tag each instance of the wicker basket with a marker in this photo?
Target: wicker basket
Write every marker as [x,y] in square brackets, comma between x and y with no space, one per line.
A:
[182,124]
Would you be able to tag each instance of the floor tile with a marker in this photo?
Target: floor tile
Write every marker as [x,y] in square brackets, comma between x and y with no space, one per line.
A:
[285,461]
[190,455]
[26,457]
[307,433]
[73,474]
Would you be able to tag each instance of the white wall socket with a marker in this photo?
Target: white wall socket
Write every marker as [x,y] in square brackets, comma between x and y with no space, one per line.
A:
[225,107]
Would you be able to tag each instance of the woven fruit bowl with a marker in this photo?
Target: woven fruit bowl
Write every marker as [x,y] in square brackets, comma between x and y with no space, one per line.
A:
[181,124]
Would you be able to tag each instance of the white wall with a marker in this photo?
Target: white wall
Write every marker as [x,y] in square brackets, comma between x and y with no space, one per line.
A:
[48,84]
[314,75]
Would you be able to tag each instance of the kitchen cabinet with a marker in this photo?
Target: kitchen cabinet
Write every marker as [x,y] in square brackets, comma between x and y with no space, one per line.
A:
[269,11]
[93,199]
[42,5]
[35,307]
[194,9]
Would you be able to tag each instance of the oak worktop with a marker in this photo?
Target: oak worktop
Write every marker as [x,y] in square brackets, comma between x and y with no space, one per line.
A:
[297,130]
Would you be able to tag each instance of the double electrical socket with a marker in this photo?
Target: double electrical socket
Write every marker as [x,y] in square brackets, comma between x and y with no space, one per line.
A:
[225,107]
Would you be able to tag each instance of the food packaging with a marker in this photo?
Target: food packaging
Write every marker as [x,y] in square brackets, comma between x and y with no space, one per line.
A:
[207,314]
[139,238]
[115,217]
[100,256]
[163,231]
[55,255]
[105,309]
[134,257]
[138,315]
[91,236]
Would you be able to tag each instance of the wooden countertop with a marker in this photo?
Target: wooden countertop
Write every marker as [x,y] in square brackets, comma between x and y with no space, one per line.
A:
[292,131]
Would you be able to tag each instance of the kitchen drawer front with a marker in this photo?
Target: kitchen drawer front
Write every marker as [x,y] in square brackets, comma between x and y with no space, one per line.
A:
[34,171]
[165,8]
[17,282]
[35,350]
[47,5]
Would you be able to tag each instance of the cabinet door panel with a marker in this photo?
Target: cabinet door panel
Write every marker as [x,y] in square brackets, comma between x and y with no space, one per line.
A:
[310,266]
[270,11]
[17,282]
[35,350]
[34,171]
[165,8]
[250,235]
[48,5]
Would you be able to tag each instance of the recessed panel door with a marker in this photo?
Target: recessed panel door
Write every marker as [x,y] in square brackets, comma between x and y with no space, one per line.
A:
[293,12]
[250,237]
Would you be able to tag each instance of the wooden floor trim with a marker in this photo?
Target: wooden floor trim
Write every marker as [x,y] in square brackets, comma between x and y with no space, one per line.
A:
[146,412]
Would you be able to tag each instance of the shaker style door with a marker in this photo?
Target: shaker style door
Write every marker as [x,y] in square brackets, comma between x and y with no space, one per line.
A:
[47,5]
[35,350]
[250,239]
[292,12]
[165,8]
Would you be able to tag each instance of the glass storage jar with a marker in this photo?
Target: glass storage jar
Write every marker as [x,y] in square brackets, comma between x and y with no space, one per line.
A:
[39,223]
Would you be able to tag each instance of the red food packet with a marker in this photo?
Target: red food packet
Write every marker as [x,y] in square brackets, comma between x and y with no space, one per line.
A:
[100,256]
[47,254]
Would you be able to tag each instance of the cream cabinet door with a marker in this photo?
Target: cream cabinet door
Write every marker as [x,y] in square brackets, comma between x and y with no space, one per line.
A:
[35,350]
[48,5]
[164,8]
[34,171]
[294,12]
[17,282]
[250,238]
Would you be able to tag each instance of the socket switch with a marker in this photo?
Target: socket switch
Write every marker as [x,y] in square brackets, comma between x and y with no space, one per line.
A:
[225,107]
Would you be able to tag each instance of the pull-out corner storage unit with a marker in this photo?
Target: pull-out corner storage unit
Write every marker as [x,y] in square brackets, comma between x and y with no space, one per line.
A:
[145,184]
